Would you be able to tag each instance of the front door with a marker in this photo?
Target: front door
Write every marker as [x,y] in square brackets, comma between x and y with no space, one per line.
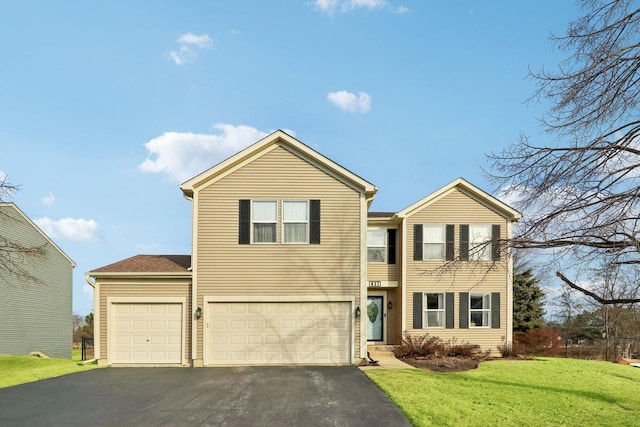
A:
[375,315]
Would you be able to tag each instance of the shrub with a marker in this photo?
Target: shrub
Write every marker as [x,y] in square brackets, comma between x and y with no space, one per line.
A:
[419,346]
[455,348]
[507,350]
[427,346]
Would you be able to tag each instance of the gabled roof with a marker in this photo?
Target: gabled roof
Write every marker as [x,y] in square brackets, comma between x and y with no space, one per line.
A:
[470,190]
[148,264]
[11,205]
[265,145]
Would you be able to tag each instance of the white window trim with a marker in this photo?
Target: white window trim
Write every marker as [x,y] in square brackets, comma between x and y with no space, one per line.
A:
[253,242]
[307,222]
[482,310]
[385,247]
[425,242]
[426,310]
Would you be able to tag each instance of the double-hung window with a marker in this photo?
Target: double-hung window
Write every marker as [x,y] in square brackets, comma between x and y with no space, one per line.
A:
[295,221]
[434,242]
[480,310]
[434,310]
[479,240]
[264,221]
[377,245]
[279,221]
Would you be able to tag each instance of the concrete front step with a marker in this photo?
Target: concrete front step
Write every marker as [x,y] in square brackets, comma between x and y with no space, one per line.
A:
[380,347]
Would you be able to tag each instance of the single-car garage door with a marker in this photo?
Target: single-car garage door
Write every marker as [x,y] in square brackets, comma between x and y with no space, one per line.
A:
[254,333]
[146,333]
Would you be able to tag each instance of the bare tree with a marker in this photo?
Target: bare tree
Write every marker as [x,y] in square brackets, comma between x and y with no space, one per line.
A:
[14,255]
[581,194]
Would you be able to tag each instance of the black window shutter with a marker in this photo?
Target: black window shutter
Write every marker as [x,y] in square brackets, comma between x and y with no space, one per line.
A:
[464,242]
[448,312]
[495,242]
[417,310]
[391,246]
[314,222]
[244,214]
[449,240]
[464,310]
[495,310]
[417,242]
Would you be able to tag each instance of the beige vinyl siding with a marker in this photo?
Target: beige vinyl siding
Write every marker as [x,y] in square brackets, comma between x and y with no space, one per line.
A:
[464,276]
[35,316]
[225,267]
[376,271]
[137,288]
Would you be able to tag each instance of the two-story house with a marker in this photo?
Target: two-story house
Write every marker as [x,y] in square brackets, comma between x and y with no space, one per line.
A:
[289,267]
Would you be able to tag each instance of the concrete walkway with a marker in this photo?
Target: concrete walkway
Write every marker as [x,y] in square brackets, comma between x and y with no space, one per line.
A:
[385,358]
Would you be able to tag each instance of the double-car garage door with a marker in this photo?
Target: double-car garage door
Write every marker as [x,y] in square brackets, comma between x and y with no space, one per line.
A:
[262,333]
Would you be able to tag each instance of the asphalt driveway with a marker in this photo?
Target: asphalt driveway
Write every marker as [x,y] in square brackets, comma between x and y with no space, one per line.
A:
[256,396]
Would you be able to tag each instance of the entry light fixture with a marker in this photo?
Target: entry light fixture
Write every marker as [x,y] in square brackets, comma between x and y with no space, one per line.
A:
[389,305]
[198,313]
[358,311]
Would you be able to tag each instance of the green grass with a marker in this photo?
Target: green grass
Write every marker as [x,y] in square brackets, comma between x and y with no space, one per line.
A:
[539,392]
[16,370]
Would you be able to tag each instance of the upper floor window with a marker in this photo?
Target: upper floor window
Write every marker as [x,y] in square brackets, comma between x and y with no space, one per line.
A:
[377,245]
[295,221]
[479,238]
[264,221]
[433,242]
[258,221]
[381,245]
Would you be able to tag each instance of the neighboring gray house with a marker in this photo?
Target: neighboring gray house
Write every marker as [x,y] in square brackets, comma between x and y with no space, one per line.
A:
[35,315]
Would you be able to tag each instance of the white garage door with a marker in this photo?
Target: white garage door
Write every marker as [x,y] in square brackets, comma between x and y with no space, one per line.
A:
[279,333]
[147,333]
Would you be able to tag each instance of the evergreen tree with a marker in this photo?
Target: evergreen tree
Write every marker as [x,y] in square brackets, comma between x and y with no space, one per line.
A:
[528,301]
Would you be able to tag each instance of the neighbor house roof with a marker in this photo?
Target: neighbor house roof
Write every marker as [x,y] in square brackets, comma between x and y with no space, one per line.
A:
[148,264]
[282,139]
[11,205]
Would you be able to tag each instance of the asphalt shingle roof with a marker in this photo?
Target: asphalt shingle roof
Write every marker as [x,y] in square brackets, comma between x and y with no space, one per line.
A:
[149,264]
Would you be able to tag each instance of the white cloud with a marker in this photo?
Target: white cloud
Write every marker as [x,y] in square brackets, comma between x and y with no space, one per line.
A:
[402,9]
[330,6]
[187,42]
[48,200]
[202,41]
[69,228]
[183,155]
[351,102]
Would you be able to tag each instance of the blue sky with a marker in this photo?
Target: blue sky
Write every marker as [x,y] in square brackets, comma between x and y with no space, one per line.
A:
[107,106]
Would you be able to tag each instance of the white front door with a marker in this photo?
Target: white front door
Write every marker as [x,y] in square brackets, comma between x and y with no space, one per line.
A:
[375,314]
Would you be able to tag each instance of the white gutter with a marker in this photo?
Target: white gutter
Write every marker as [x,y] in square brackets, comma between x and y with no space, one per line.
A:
[96,315]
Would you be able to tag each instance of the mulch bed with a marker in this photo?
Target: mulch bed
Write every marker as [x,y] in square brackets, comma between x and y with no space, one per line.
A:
[452,364]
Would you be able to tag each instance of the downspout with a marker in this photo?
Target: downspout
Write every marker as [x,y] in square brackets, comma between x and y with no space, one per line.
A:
[194,289]
[96,316]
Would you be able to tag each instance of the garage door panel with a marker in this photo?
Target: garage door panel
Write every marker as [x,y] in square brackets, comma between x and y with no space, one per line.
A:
[147,333]
[278,333]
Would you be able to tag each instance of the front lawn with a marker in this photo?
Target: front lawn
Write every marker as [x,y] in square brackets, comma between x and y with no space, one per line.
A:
[16,370]
[543,391]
